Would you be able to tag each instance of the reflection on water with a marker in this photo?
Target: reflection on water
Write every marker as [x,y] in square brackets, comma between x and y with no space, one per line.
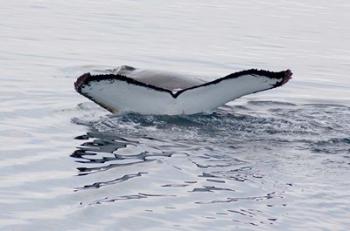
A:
[229,166]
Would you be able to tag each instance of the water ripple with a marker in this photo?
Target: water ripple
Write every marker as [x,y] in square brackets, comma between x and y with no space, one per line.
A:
[234,163]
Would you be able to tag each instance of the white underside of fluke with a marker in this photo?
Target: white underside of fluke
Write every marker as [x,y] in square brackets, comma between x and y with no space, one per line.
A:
[118,95]
[121,96]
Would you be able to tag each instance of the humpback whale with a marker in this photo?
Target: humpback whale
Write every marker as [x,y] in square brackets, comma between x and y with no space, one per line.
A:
[130,89]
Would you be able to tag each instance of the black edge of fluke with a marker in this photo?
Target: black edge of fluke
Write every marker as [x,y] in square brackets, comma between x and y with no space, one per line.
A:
[80,81]
[86,78]
[287,75]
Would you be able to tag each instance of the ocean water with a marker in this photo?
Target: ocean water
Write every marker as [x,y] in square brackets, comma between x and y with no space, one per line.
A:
[277,160]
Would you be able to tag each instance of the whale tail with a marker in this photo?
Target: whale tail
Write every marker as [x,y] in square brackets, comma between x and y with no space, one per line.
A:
[119,93]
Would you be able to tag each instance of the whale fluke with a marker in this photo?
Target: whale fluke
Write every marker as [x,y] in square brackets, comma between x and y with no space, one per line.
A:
[128,89]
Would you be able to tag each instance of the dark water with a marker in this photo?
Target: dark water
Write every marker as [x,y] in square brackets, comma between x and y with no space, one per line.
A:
[278,160]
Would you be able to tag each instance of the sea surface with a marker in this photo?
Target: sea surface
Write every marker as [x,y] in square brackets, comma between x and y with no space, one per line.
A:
[277,160]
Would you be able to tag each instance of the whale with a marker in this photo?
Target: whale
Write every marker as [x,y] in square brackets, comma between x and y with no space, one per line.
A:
[128,89]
